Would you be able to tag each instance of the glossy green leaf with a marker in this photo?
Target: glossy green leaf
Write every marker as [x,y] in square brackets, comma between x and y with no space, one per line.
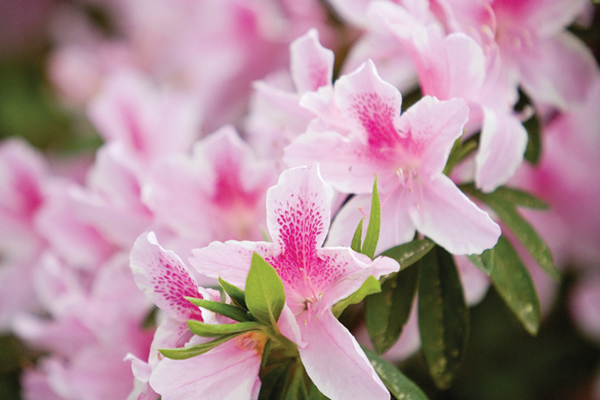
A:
[273,384]
[265,295]
[409,253]
[533,151]
[484,261]
[214,330]
[386,312]
[357,238]
[513,282]
[443,316]
[399,385]
[370,286]
[372,236]
[505,208]
[227,310]
[195,350]
[237,295]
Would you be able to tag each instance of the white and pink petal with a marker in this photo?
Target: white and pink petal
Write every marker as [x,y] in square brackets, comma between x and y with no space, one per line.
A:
[164,278]
[335,362]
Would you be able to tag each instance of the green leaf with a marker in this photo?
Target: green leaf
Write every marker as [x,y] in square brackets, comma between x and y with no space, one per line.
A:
[265,355]
[443,316]
[513,282]
[273,384]
[459,151]
[357,238]
[265,295]
[386,313]
[195,350]
[520,198]
[484,261]
[297,388]
[534,142]
[505,208]
[409,253]
[227,310]
[237,295]
[214,330]
[370,286]
[372,236]
[315,393]
[399,385]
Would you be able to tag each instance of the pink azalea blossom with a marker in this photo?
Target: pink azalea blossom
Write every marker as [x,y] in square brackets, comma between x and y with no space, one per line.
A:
[23,176]
[230,371]
[409,153]
[89,332]
[276,117]
[315,278]
[468,71]
[148,122]
[552,64]
[217,192]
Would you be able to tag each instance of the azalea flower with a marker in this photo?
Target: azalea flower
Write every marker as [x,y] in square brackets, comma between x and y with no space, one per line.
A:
[314,278]
[229,371]
[409,153]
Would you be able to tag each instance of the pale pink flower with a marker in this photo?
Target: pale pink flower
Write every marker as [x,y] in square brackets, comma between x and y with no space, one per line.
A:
[89,332]
[314,278]
[216,193]
[23,178]
[455,65]
[566,179]
[149,122]
[552,64]
[229,371]
[276,117]
[409,153]
[111,199]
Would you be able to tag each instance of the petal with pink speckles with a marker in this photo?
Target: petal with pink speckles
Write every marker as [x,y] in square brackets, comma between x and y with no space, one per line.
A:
[371,106]
[164,278]
[298,213]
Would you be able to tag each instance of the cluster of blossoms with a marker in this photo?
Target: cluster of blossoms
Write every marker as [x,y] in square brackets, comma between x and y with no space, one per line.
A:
[233,138]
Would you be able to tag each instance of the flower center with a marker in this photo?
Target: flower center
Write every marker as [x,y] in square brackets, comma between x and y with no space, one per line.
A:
[407,175]
[254,341]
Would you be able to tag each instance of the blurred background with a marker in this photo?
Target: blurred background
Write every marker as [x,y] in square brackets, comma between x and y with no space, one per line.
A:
[502,360]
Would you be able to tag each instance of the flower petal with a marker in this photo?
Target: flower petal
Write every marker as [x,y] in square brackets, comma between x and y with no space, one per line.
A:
[226,372]
[336,363]
[429,129]
[298,213]
[450,219]
[345,162]
[501,149]
[558,70]
[164,278]
[230,260]
[311,64]
[371,106]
